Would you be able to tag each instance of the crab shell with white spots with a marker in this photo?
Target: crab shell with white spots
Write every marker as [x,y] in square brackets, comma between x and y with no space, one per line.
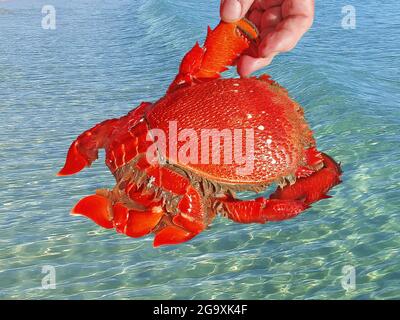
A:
[272,127]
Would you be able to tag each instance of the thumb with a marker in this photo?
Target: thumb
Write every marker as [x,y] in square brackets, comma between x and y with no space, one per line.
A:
[233,10]
[247,64]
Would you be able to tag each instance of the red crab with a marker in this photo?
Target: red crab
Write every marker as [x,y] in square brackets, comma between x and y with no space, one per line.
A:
[175,197]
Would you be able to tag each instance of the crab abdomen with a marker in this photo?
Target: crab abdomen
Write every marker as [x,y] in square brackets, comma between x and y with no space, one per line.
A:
[260,132]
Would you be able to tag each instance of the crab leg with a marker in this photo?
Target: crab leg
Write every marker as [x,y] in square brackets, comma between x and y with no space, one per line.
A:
[189,219]
[150,214]
[221,48]
[180,226]
[262,210]
[97,208]
[291,200]
[314,187]
[104,213]
[85,149]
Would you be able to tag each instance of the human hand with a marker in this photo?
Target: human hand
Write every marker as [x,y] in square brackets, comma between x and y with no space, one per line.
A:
[281,23]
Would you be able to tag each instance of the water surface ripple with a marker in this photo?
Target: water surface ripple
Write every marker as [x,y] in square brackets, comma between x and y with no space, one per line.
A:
[107,56]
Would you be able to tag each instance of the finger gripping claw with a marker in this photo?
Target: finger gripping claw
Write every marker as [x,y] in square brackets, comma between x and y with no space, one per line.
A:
[222,47]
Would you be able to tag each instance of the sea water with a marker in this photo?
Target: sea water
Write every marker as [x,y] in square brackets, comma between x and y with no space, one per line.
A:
[102,59]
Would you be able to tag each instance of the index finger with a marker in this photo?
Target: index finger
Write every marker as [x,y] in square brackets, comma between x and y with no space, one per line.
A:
[297,18]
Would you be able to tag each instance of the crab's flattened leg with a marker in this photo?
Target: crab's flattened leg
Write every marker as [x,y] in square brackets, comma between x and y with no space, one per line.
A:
[120,217]
[133,223]
[314,187]
[129,138]
[136,223]
[97,208]
[171,235]
[141,223]
[85,149]
[190,65]
[190,218]
[128,143]
[142,220]
[191,214]
[137,192]
[224,45]
[179,227]
[221,48]
[150,180]
[262,210]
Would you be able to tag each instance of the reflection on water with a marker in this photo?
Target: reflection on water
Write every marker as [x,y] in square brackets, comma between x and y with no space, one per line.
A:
[107,56]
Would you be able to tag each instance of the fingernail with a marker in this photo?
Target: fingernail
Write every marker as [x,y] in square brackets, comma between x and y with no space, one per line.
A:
[231,10]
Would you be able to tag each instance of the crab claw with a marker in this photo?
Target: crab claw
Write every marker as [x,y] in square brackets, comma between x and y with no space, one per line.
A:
[222,47]
[84,150]
[314,187]
[262,210]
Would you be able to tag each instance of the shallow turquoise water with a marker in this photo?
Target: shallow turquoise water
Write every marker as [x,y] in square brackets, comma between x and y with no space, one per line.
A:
[107,56]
